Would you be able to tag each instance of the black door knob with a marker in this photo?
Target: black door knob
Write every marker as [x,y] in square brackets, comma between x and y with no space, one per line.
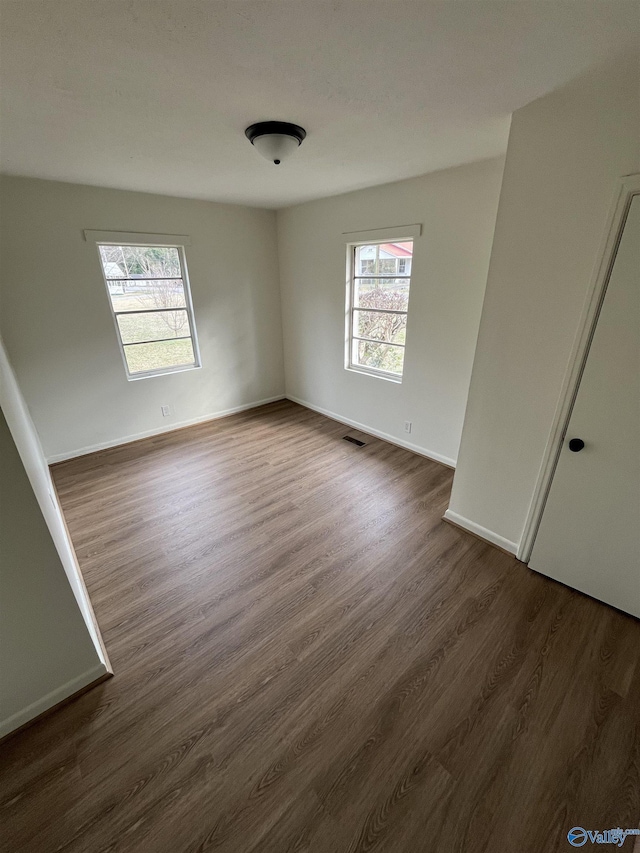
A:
[576,444]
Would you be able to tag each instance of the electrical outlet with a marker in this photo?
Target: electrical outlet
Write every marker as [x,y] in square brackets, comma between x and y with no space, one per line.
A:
[407,426]
[166,411]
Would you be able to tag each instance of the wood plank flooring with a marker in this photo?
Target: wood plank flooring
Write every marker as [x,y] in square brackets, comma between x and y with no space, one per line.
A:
[308,659]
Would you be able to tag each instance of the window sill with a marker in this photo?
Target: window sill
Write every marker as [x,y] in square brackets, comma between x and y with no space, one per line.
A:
[150,374]
[376,374]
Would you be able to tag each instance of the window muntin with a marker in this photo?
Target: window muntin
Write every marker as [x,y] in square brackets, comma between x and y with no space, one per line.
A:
[149,297]
[378,306]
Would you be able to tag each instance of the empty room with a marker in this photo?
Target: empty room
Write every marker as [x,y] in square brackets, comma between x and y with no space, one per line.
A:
[320,372]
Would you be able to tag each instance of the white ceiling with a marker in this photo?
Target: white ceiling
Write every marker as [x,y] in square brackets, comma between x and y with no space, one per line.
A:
[155,94]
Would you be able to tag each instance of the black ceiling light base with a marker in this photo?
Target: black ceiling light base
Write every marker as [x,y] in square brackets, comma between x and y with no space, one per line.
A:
[284,128]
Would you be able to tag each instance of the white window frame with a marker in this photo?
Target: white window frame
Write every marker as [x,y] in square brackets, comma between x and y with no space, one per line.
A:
[170,241]
[404,233]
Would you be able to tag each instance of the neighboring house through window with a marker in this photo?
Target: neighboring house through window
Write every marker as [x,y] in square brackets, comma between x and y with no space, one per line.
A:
[378,304]
[386,259]
[150,302]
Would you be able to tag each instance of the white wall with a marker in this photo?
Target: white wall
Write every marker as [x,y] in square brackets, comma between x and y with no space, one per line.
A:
[26,440]
[58,329]
[457,209]
[48,651]
[566,152]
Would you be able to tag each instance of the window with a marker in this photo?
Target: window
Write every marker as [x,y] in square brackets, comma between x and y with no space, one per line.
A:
[151,305]
[378,301]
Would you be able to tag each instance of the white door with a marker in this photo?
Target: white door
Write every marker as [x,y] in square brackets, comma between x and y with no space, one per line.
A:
[589,535]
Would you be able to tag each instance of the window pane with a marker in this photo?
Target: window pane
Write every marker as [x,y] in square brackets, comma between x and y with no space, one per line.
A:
[381,327]
[140,261]
[137,294]
[384,259]
[151,327]
[165,354]
[391,294]
[379,356]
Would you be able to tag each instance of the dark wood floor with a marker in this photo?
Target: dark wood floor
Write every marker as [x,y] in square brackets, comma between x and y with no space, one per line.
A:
[308,659]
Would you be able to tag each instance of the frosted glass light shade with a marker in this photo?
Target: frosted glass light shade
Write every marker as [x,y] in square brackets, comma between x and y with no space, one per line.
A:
[275,146]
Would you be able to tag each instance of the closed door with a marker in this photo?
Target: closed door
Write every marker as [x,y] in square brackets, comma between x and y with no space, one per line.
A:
[589,535]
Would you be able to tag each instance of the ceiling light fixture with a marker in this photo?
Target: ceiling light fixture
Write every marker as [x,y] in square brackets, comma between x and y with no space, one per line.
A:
[275,140]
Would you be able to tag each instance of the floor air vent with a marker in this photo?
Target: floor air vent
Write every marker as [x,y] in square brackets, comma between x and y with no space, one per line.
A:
[354,440]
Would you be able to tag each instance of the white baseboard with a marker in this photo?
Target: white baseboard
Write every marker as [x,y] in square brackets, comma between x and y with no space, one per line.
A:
[125,439]
[407,445]
[58,695]
[482,532]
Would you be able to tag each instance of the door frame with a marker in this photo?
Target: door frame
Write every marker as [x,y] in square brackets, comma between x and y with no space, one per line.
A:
[627,188]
